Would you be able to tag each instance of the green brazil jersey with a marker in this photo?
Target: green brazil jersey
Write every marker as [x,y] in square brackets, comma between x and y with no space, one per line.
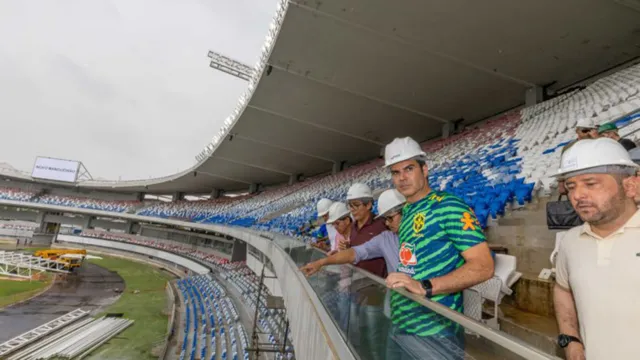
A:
[433,233]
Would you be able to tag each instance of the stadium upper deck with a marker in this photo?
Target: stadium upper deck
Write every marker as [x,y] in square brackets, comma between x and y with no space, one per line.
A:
[337,80]
[507,160]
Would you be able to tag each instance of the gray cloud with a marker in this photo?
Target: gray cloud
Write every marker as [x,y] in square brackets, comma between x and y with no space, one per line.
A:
[123,85]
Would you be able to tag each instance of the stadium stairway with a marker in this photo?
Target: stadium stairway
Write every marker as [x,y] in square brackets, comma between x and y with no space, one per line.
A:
[528,314]
[523,232]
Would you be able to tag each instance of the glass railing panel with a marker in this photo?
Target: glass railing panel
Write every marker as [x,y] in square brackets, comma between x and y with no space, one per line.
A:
[379,323]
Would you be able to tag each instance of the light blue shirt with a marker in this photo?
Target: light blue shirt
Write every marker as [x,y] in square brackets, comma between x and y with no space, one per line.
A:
[384,245]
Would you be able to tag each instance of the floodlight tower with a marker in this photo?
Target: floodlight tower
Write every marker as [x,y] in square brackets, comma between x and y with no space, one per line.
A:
[230,66]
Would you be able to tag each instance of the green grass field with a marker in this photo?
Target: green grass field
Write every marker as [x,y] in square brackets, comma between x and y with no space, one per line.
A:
[14,291]
[145,308]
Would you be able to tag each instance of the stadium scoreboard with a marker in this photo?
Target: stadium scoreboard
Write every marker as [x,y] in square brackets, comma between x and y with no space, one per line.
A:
[55,169]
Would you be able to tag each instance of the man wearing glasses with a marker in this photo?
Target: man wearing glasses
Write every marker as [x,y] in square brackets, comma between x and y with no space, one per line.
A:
[367,324]
[585,129]
[384,245]
[365,226]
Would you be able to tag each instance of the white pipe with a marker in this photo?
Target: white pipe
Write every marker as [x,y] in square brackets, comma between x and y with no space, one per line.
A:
[26,353]
[115,332]
[44,351]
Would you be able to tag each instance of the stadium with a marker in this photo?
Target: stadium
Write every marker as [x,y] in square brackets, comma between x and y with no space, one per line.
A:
[205,263]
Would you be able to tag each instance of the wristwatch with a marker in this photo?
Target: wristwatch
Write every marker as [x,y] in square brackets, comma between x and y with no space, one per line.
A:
[564,340]
[428,287]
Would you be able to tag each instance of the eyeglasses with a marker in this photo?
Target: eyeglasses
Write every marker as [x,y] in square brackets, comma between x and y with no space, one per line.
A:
[355,204]
[585,131]
[389,218]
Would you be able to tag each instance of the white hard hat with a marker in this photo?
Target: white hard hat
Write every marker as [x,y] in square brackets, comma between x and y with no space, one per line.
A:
[359,191]
[585,123]
[323,207]
[590,153]
[389,200]
[337,211]
[401,149]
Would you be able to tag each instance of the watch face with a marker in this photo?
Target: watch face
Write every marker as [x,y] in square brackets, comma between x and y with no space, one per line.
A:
[426,284]
[563,341]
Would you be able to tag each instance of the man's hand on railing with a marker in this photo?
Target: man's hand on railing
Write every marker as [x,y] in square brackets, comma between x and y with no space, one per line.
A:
[397,280]
[312,268]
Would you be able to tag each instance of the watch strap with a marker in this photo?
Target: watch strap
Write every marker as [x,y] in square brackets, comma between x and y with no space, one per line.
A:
[428,287]
[564,340]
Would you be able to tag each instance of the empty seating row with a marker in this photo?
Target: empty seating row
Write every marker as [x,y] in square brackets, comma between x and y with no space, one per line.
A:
[210,321]
[166,245]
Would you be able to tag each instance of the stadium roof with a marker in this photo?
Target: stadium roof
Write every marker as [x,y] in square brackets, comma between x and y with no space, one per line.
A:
[342,78]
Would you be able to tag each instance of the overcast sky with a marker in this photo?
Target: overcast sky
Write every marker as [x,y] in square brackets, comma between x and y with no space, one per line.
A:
[122,85]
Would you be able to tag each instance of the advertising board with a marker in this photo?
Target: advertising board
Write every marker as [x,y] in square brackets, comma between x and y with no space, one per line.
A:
[55,169]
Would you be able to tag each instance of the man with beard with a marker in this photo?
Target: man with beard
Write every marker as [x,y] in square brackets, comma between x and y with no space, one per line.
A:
[597,289]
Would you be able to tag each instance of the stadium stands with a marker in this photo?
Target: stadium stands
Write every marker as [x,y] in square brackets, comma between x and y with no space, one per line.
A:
[86,203]
[209,307]
[211,322]
[213,329]
[162,245]
[28,227]
[500,164]
[15,194]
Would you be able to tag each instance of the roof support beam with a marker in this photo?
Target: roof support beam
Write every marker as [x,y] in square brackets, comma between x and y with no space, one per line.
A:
[318,126]
[252,165]
[284,148]
[359,94]
[406,42]
[221,177]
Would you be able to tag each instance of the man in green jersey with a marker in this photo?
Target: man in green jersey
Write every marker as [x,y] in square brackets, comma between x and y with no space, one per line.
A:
[442,252]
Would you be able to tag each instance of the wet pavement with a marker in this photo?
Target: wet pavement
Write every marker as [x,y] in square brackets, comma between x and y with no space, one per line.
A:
[90,288]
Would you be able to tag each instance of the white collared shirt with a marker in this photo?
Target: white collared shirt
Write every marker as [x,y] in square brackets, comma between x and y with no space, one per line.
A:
[604,276]
[332,233]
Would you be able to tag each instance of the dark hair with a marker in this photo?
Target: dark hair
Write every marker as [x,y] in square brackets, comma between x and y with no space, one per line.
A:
[346,217]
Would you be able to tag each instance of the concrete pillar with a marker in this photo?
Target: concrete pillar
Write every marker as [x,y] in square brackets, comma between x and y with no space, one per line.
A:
[293,179]
[129,227]
[534,96]
[87,223]
[253,188]
[336,168]
[140,196]
[447,129]
[40,221]
[177,196]
[239,252]
[215,193]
